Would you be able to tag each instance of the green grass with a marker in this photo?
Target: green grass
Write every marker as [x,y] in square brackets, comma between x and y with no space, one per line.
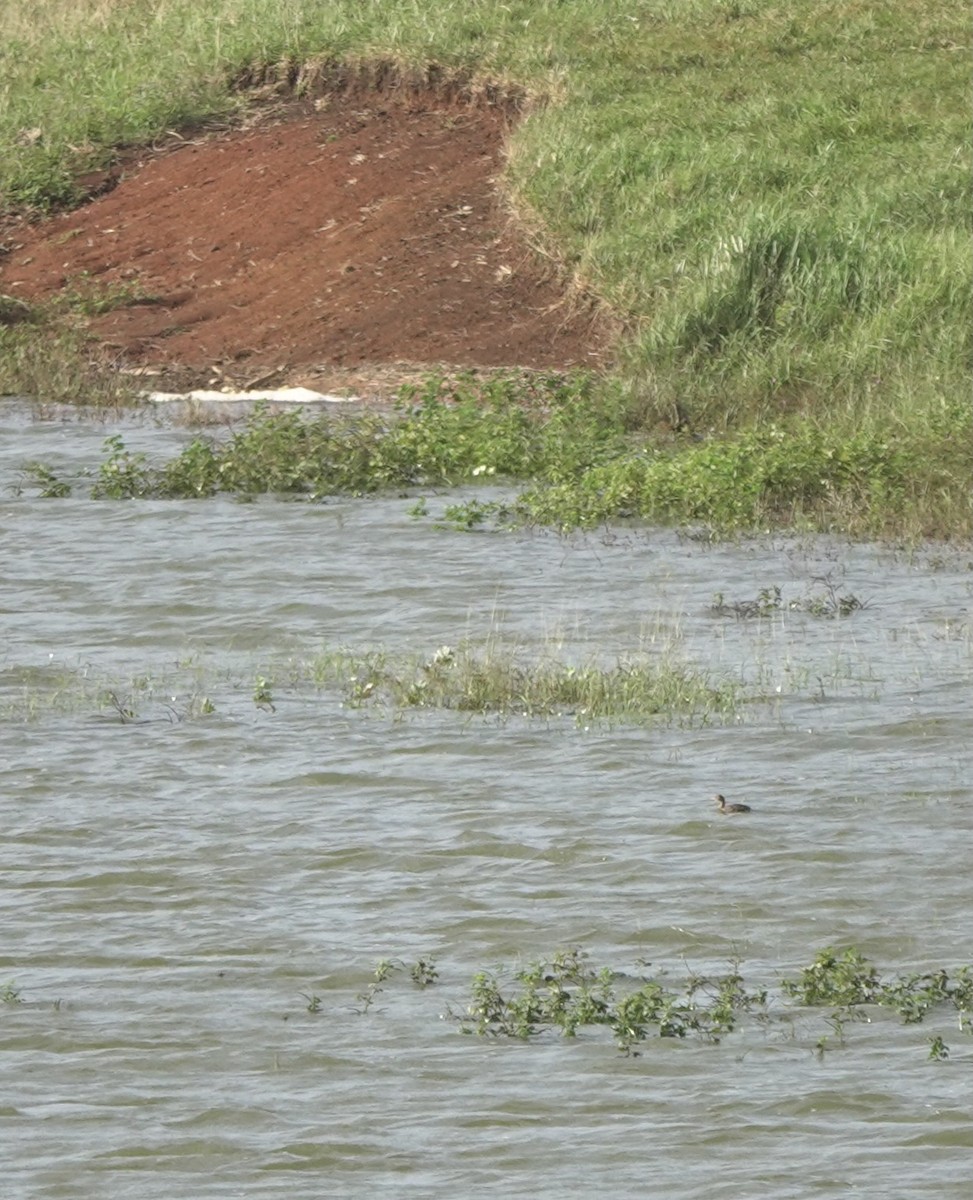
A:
[901,481]
[773,200]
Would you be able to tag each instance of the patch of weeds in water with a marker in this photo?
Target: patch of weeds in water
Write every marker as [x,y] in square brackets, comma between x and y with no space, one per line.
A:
[837,1021]
[798,475]
[851,983]
[768,602]
[31,693]
[123,475]
[195,706]
[844,978]
[48,485]
[572,438]
[423,973]
[263,696]
[497,678]
[506,426]
[384,970]
[67,370]
[829,604]
[938,1050]
[125,709]
[565,994]
[484,678]
[10,994]
[472,514]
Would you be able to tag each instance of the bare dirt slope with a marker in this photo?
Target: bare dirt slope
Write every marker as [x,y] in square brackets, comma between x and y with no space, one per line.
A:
[349,233]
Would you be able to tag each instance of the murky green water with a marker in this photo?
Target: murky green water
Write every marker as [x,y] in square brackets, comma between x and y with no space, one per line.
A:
[176,886]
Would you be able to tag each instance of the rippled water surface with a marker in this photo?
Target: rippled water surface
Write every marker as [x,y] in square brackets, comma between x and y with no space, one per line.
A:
[178,886]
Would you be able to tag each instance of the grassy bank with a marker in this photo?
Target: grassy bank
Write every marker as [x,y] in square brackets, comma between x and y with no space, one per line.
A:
[773,200]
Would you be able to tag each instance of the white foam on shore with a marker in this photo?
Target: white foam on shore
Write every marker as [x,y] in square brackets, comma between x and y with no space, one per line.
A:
[294,395]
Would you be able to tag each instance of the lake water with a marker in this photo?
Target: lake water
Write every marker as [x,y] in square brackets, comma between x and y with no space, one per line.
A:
[176,887]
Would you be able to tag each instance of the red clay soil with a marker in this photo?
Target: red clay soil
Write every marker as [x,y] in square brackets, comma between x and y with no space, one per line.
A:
[358,231]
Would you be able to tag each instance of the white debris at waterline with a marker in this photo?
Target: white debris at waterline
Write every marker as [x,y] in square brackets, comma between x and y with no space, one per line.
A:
[292,395]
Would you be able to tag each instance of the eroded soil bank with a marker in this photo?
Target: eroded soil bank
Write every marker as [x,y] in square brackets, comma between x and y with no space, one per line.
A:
[336,237]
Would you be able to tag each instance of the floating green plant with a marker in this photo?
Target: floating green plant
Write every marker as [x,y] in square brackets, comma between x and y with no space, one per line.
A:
[565,994]
[423,973]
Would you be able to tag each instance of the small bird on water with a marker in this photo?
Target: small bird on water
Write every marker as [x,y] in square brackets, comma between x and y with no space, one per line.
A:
[730,808]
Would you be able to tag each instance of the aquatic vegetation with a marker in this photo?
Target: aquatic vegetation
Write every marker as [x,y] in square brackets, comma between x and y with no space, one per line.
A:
[800,475]
[262,694]
[489,677]
[48,357]
[830,603]
[848,983]
[423,973]
[494,677]
[40,478]
[847,979]
[566,994]
[505,425]
[571,437]
[173,695]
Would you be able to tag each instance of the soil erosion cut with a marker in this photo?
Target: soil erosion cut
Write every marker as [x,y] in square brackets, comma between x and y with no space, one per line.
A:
[357,229]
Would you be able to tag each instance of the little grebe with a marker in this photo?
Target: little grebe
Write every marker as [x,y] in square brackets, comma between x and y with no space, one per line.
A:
[730,808]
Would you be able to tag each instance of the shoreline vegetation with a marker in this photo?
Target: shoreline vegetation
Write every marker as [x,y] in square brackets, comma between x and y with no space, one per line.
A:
[771,203]
[572,440]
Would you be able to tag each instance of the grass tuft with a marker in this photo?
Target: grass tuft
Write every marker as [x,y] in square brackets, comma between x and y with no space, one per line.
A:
[500,679]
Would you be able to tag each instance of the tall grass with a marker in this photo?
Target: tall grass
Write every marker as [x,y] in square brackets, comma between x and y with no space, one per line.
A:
[773,199]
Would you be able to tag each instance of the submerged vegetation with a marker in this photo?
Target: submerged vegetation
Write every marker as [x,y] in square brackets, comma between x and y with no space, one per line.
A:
[771,201]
